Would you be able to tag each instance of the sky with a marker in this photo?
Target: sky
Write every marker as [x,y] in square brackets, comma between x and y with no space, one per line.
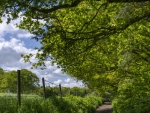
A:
[15,41]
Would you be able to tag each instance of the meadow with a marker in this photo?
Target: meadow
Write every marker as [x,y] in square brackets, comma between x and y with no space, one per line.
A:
[54,104]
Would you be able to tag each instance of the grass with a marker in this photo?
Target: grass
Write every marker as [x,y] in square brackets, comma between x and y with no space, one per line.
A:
[36,104]
[14,95]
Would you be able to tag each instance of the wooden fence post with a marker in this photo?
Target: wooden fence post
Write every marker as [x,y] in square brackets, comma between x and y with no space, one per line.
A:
[19,88]
[69,92]
[44,94]
[85,93]
[60,90]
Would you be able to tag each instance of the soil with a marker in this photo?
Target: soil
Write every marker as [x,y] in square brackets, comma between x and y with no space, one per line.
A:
[105,108]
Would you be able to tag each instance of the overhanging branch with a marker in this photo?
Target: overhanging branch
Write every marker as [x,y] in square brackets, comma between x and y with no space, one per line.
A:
[134,20]
[75,3]
[46,11]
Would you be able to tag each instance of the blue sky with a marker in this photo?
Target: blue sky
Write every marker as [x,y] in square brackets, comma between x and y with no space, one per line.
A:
[13,42]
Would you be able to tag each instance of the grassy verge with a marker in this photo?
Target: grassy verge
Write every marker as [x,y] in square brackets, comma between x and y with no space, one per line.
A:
[70,104]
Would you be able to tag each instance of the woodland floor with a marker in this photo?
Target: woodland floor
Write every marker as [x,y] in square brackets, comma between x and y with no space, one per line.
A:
[105,108]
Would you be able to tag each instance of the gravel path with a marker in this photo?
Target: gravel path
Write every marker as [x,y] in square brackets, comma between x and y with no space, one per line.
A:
[105,108]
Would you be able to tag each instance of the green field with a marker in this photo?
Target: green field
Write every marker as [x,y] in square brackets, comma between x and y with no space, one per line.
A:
[55,104]
[15,95]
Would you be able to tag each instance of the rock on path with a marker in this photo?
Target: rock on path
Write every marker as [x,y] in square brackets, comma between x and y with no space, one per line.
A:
[105,108]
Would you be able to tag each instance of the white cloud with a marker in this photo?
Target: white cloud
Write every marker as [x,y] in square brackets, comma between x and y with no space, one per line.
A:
[11,29]
[72,84]
[1,39]
[58,82]
[5,54]
[12,45]
[57,71]
[24,34]
[15,45]
[10,53]
[10,59]
[47,76]
[67,80]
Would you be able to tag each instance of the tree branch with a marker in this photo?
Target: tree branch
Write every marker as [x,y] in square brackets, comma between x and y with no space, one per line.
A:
[46,11]
[144,58]
[134,20]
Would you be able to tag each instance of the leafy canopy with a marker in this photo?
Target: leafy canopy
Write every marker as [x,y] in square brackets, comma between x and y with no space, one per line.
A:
[101,42]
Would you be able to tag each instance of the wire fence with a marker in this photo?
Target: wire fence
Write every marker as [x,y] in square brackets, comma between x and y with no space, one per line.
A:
[22,92]
[17,93]
[52,89]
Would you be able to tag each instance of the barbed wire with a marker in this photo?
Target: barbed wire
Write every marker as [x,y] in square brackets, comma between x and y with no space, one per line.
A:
[6,70]
[51,83]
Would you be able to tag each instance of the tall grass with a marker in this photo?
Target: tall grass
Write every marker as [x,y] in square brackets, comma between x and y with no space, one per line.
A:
[70,104]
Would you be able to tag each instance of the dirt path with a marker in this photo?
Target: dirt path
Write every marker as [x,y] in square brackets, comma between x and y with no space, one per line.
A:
[105,108]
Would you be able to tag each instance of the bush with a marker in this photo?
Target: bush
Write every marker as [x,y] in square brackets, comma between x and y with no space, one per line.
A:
[132,98]
[55,104]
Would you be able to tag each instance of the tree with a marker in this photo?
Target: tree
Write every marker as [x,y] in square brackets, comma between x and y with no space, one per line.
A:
[65,91]
[68,39]
[29,81]
[9,82]
[104,43]
[1,73]
[83,33]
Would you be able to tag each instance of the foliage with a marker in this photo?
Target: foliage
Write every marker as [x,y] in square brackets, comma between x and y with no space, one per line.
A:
[1,71]
[8,105]
[65,91]
[69,104]
[133,96]
[49,92]
[29,81]
[93,41]
[1,74]
[103,43]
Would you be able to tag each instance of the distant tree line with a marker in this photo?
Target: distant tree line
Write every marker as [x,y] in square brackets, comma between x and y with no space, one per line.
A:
[8,81]
[66,91]
[30,84]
